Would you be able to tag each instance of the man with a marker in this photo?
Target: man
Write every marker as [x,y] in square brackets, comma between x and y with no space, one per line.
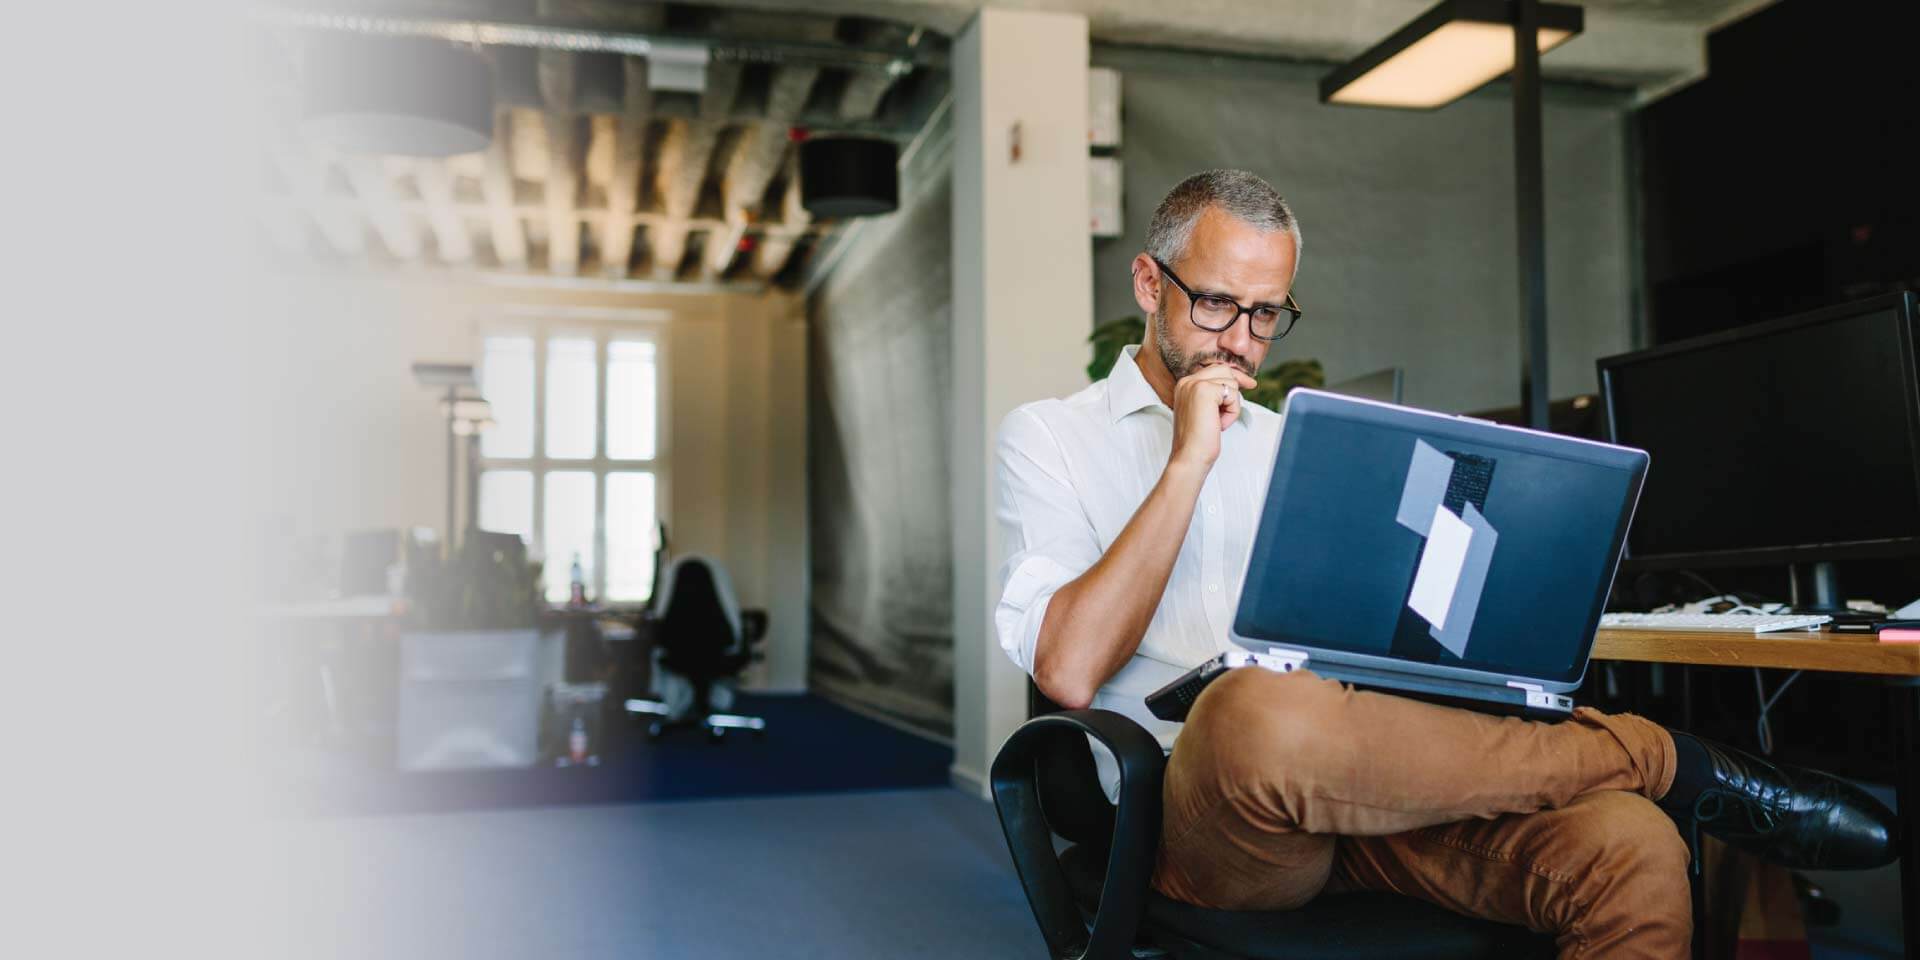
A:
[1128,511]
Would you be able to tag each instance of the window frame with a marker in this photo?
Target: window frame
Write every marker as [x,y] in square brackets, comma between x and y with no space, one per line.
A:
[603,327]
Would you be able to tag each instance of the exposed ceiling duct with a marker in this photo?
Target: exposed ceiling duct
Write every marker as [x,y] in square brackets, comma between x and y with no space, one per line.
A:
[647,145]
[551,34]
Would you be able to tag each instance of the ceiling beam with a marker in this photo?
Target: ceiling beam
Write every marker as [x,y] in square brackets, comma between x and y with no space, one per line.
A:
[450,237]
[509,235]
[374,186]
[776,247]
[565,147]
[629,153]
[684,156]
[594,218]
[864,91]
[763,146]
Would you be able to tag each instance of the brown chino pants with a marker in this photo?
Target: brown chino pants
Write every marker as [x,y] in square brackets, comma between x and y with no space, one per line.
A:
[1284,785]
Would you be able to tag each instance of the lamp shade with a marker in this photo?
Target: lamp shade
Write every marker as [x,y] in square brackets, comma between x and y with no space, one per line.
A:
[849,176]
[443,374]
[396,95]
[466,408]
[1443,55]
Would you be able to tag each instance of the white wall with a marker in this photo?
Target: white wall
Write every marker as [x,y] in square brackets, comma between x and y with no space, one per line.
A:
[361,445]
[1022,295]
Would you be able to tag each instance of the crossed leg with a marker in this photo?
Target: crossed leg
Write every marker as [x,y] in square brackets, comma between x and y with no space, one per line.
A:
[1282,785]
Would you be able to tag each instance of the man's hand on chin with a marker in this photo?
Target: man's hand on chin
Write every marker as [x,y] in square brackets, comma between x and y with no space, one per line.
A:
[1205,403]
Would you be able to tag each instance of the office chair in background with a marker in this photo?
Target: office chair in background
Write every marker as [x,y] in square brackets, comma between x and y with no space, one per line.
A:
[703,642]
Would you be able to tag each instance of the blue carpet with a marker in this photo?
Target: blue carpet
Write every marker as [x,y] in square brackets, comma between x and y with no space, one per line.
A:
[917,873]
[811,746]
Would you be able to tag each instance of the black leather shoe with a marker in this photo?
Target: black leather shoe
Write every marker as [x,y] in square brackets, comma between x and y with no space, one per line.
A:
[1792,816]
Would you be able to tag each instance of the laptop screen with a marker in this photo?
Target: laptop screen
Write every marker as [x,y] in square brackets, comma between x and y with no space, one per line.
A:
[1421,538]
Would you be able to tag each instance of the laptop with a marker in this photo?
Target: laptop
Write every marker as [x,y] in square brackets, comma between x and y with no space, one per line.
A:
[1427,555]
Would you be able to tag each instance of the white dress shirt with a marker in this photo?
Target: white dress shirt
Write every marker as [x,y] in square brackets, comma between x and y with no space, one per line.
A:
[1072,472]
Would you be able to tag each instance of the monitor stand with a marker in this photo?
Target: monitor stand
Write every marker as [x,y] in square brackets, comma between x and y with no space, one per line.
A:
[1816,588]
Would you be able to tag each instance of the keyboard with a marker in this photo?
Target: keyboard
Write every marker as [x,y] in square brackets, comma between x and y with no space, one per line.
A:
[1727,622]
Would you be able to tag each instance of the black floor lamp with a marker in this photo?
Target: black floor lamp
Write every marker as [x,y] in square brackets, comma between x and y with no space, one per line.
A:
[1441,56]
[467,416]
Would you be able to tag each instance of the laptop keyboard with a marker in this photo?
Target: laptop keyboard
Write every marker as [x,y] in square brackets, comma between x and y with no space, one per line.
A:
[1729,622]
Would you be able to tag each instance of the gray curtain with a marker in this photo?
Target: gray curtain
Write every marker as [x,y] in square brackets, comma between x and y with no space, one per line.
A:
[877,457]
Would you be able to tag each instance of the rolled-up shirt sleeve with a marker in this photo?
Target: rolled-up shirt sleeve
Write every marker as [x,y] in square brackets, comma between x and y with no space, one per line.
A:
[1045,536]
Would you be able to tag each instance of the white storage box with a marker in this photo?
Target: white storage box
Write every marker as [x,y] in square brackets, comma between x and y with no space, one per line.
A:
[470,699]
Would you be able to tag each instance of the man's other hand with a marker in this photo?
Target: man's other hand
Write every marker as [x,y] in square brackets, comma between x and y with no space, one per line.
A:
[1205,402]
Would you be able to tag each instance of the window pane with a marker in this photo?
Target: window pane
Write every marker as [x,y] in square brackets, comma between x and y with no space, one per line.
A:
[506,380]
[567,530]
[630,536]
[571,383]
[631,399]
[506,502]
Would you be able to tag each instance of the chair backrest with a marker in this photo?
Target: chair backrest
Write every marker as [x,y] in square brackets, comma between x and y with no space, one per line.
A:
[696,625]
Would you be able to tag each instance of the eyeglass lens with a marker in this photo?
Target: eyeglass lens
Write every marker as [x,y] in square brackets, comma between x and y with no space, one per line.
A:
[1216,313]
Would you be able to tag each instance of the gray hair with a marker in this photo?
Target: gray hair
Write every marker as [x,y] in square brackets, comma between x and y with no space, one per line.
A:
[1241,194]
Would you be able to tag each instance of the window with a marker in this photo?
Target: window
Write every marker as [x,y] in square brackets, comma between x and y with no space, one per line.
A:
[573,461]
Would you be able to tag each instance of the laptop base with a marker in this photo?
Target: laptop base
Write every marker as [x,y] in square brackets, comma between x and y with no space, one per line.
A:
[1172,701]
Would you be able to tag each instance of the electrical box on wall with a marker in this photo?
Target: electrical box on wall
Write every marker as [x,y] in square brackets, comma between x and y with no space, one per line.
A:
[1103,108]
[1103,196]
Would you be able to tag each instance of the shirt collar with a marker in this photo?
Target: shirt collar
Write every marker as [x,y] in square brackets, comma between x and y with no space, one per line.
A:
[1128,391]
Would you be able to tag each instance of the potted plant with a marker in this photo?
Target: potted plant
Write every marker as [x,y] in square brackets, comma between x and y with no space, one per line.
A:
[1270,385]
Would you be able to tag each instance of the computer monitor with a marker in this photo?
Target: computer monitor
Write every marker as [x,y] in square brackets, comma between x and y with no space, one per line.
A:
[1381,385]
[1795,441]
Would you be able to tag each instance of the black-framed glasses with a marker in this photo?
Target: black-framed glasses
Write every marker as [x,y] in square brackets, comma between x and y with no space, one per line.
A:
[1216,314]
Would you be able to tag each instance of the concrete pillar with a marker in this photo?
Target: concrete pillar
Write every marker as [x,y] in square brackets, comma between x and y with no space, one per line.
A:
[1022,305]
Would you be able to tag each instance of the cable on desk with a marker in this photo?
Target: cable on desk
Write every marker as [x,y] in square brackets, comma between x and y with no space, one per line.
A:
[1762,728]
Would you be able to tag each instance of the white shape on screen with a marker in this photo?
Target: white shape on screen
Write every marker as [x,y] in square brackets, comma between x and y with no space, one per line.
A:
[1440,566]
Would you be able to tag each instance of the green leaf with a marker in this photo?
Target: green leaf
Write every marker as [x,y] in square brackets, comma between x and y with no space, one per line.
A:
[1108,340]
[1272,384]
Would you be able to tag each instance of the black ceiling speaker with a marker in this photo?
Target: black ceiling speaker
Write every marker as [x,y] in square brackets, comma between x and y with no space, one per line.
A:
[849,176]
[397,95]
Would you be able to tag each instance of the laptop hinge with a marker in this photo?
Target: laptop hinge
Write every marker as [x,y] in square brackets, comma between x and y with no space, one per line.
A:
[1537,696]
[1283,659]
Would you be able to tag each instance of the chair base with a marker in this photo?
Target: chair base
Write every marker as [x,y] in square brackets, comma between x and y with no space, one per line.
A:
[716,725]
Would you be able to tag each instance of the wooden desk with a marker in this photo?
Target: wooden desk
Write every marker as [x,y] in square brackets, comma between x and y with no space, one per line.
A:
[1785,650]
[1831,652]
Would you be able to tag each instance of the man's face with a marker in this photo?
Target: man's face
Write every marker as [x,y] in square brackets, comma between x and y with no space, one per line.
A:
[1228,257]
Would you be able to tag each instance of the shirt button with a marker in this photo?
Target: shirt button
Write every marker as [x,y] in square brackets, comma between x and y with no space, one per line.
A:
[1211,509]
[1213,588]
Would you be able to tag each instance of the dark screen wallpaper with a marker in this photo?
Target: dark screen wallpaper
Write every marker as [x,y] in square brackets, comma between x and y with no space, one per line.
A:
[1333,567]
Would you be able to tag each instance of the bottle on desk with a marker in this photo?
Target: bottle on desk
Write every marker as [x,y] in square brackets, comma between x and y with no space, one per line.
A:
[577,593]
[577,742]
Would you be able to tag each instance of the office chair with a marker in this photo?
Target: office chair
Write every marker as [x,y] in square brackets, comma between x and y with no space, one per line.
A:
[704,638]
[1093,899]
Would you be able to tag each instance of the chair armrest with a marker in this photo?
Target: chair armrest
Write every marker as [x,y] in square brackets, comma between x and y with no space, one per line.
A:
[1135,839]
[753,627]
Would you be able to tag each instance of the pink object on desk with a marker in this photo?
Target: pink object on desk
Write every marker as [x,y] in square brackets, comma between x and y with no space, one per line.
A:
[1900,636]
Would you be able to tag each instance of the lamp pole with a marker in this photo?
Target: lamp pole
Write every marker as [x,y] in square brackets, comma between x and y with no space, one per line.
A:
[1530,204]
[452,466]
[473,480]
